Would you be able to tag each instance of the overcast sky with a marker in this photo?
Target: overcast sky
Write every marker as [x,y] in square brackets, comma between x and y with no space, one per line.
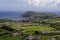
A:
[30,5]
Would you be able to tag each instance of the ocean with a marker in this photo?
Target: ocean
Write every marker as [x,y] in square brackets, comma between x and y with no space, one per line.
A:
[14,15]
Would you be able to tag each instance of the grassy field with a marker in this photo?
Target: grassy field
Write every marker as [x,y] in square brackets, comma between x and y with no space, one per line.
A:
[37,28]
[7,37]
[30,28]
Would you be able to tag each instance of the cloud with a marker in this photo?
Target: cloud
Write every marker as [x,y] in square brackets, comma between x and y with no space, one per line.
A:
[42,2]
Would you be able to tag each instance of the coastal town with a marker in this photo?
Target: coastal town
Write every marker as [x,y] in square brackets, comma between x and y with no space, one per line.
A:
[33,26]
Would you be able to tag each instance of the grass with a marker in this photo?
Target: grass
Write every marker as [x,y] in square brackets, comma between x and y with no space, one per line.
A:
[53,20]
[3,31]
[10,38]
[30,28]
[37,28]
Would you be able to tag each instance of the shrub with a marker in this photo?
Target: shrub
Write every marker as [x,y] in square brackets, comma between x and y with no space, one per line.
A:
[36,32]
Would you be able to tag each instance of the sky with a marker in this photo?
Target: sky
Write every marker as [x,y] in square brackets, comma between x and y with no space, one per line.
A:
[25,5]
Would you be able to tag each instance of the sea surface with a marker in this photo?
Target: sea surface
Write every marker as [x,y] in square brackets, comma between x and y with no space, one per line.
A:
[14,15]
